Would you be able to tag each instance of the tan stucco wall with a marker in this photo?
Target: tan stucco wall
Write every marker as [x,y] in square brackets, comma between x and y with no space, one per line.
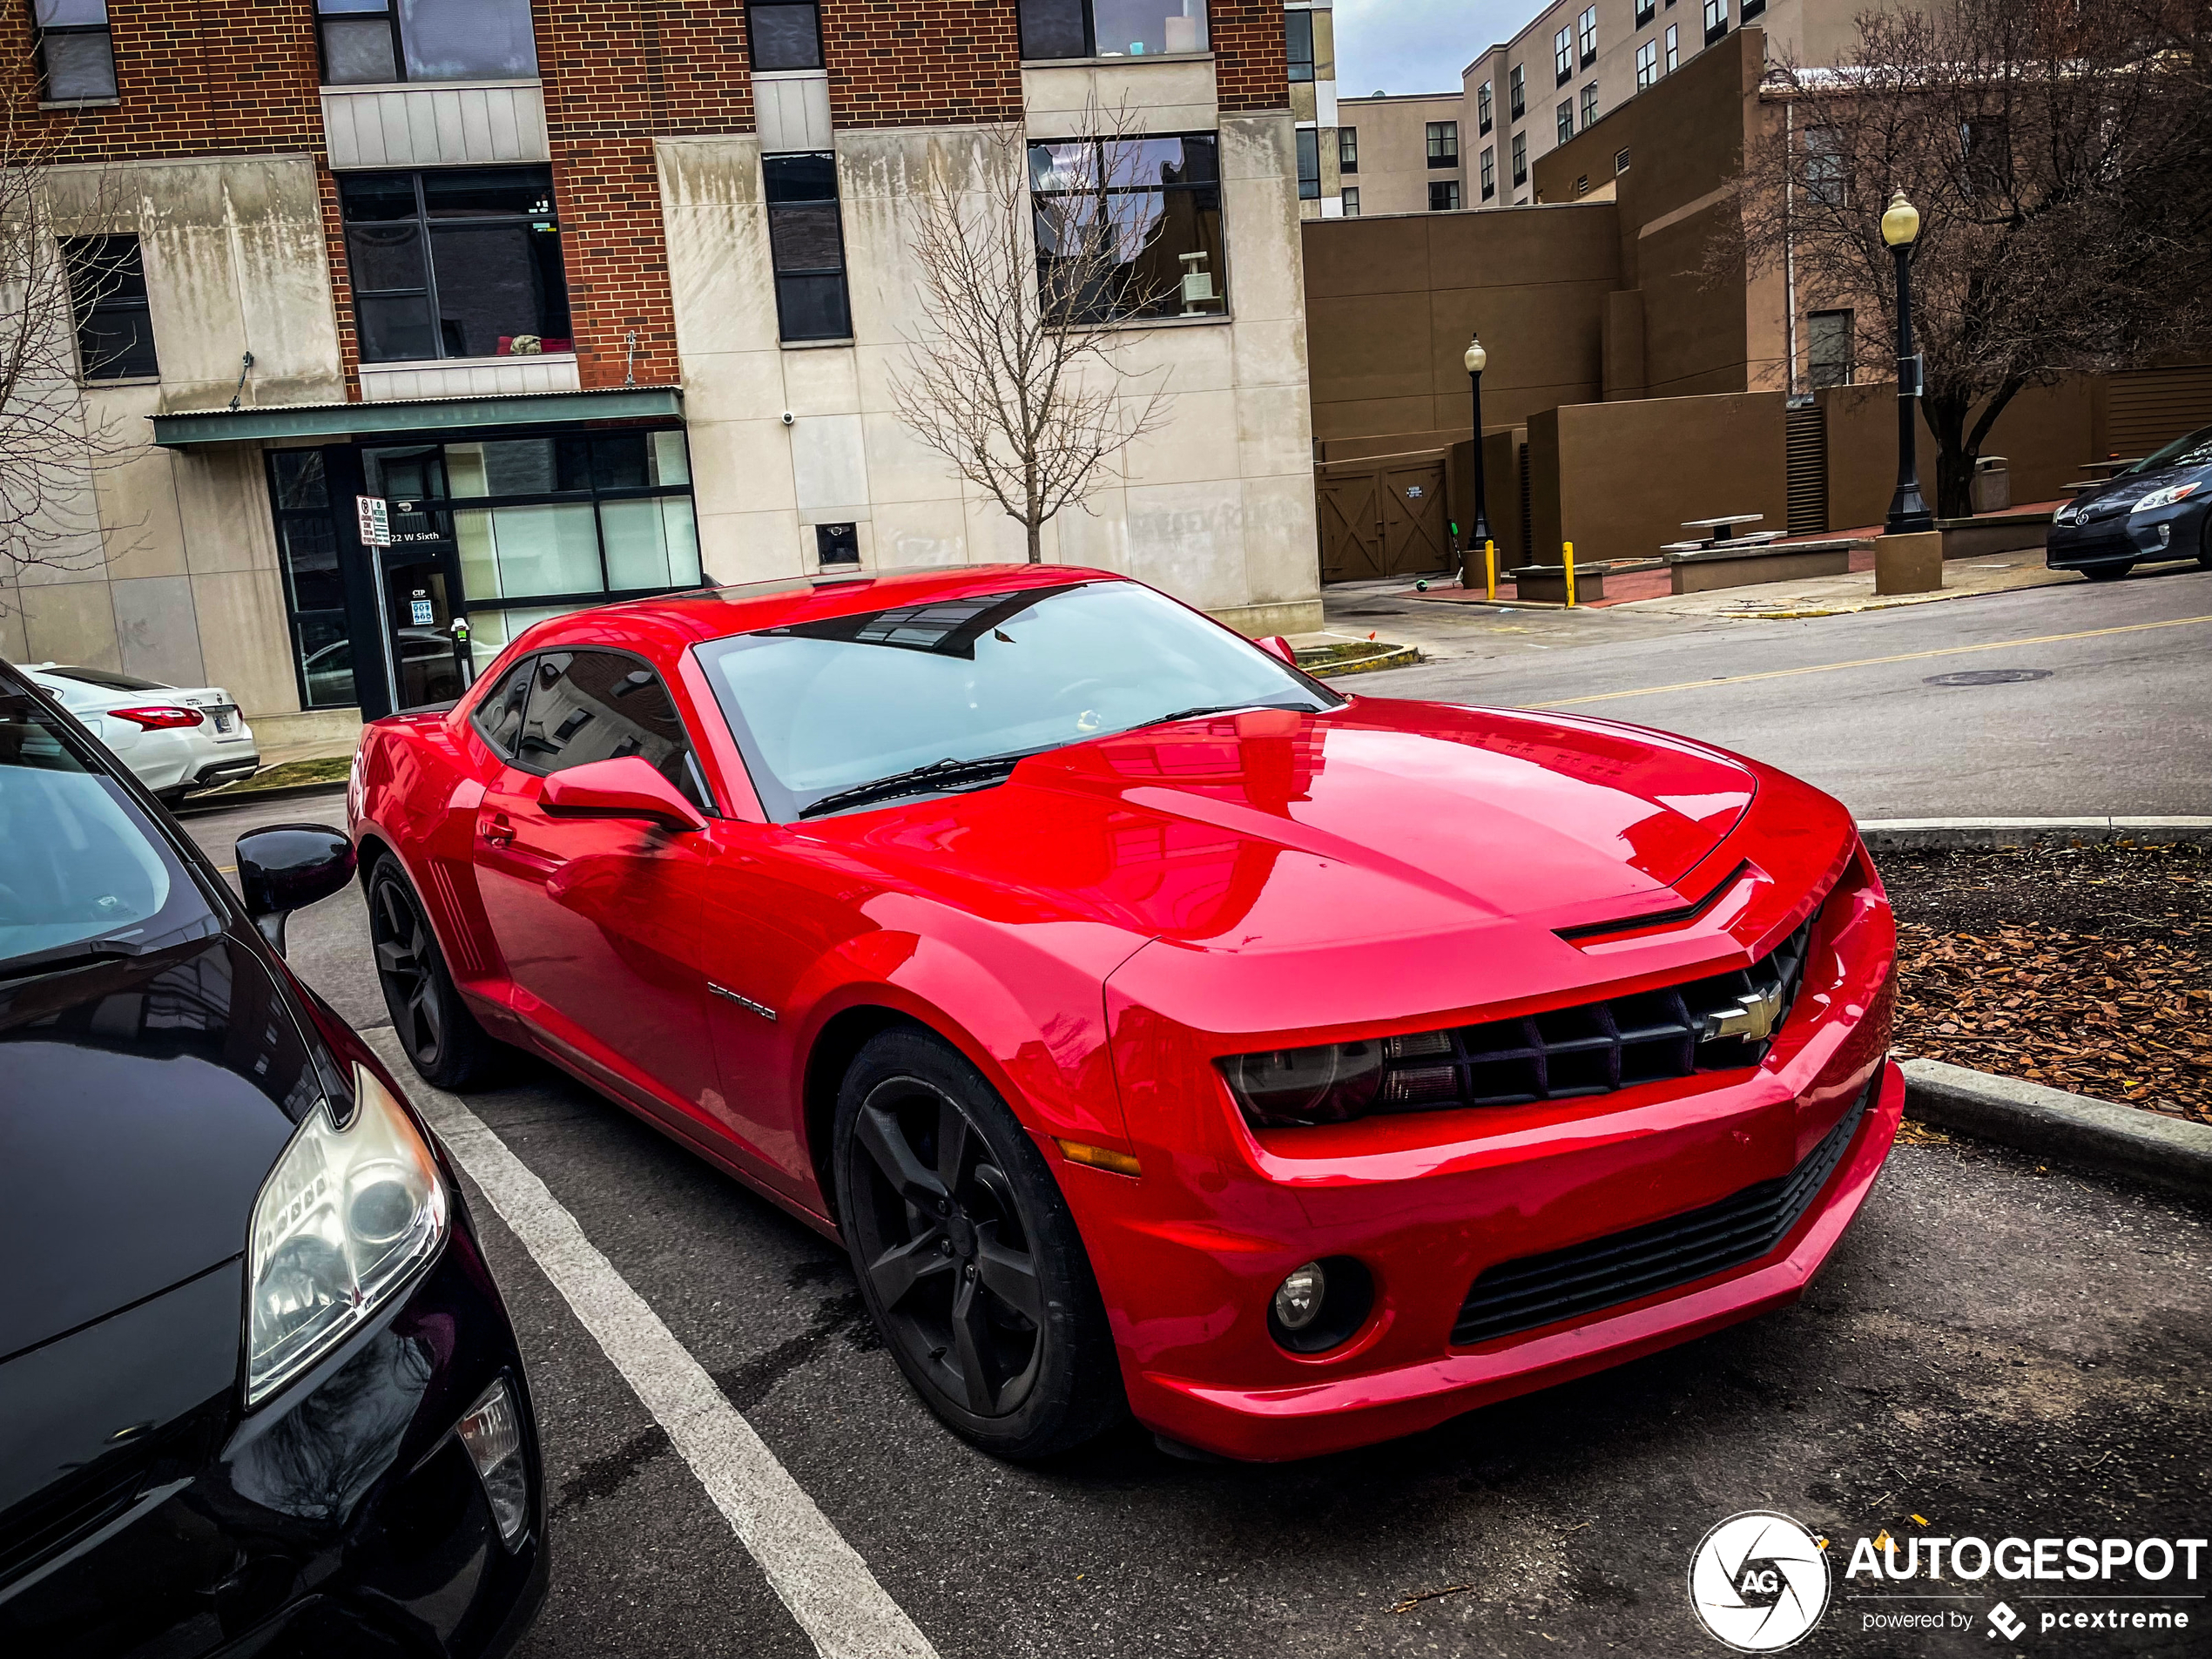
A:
[179,581]
[1217,508]
[1394,173]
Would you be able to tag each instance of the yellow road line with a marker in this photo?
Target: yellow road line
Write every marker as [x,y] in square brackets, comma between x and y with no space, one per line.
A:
[1870,662]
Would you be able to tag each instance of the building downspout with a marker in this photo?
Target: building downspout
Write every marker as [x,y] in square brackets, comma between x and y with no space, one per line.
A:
[1788,239]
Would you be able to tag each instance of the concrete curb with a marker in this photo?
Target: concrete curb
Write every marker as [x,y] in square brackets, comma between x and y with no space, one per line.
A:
[1399,656]
[220,801]
[1987,834]
[2092,1134]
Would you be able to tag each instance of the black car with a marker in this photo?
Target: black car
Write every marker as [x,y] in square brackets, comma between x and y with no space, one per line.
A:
[257,1391]
[2161,508]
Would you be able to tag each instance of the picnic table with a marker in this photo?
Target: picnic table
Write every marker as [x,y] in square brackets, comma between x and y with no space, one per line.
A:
[1723,528]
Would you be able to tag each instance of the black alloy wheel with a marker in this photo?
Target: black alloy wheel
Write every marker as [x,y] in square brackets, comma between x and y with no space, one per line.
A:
[444,1043]
[966,1256]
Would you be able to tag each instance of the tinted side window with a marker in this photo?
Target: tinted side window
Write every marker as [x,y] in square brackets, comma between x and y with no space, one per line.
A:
[590,705]
[499,717]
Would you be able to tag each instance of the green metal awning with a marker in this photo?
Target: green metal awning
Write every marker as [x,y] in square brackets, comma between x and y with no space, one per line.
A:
[413,415]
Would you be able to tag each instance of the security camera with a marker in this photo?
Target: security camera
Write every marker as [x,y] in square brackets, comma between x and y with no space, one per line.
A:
[790,419]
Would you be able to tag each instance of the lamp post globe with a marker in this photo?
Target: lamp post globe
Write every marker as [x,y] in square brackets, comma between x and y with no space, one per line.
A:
[1477,359]
[1909,514]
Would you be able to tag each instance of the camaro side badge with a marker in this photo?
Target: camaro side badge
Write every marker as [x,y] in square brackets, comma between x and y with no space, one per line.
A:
[762,1010]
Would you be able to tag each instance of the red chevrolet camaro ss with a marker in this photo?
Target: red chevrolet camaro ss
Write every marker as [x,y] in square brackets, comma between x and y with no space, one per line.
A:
[1157,1029]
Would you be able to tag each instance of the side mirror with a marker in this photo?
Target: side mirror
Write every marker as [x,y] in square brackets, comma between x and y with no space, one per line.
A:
[624,787]
[1276,645]
[287,868]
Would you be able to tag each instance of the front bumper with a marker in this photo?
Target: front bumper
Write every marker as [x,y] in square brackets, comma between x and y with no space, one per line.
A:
[2175,532]
[1188,1257]
[344,1517]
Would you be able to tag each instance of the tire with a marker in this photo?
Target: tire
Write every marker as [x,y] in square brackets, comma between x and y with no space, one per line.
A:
[444,1043]
[2107,572]
[968,1259]
[2204,546]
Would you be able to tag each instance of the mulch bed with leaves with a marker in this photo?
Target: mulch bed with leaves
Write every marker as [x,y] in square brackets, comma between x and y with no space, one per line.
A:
[2084,968]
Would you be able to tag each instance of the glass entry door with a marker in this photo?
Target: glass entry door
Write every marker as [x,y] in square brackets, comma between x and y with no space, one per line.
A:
[421,570]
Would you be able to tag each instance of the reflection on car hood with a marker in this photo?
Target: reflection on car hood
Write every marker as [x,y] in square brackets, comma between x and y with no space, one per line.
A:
[1274,831]
[2124,492]
[145,1100]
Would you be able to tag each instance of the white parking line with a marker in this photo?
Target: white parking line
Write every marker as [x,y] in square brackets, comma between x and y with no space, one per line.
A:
[821,1579]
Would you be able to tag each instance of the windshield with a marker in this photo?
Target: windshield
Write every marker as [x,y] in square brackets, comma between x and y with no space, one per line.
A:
[79,867]
[2195,450]
[821,708]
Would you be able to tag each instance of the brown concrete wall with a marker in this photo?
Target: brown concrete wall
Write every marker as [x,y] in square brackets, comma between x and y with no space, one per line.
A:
[1390,303]
[2045,434]
[1632,472]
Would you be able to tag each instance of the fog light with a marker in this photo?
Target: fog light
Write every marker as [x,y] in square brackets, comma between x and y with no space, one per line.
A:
[2165,534]
[492,1432]
[1297,1299]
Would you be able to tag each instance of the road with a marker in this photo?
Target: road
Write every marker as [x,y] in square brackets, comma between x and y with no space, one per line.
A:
[1997,1349]
[2118,721]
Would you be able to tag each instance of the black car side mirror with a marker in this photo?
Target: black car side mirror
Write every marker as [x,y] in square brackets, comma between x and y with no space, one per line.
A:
[287,867]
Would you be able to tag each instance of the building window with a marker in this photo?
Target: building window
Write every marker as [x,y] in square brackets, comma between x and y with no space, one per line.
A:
[1646,11]
[1562,57]
[76,52]
[785,34]
[1347,149]
[464,262]
[1716,20]
[1489,172]
[1589,103]
[1831,349]
[1482,107]
[374,41]
[1351,201]
[1309,164]
[314,589]
[1159,199]
[1518,84]
[1300,25]
[806,246]
[1674,47]
[1586,29]
[1054,29]
[1520,159]
[107,289]
[1647,64]
[1564,117]
[1750,9]
[1443,143]
[1443,195]
[1825,181]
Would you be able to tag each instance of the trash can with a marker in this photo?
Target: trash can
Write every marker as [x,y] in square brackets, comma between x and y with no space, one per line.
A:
[1992,491]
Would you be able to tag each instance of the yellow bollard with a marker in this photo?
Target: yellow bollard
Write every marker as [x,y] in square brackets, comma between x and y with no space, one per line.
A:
[1569,546]
[1489,570]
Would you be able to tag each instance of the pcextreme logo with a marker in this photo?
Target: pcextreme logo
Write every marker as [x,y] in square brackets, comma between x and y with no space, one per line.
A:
[1759,1581]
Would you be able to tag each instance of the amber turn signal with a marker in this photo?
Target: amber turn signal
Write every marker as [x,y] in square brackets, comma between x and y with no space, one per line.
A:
[1098,1157]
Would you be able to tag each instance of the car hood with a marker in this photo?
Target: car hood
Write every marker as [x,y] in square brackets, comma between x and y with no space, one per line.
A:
[145,1102]
[1272,831]
[2122,493]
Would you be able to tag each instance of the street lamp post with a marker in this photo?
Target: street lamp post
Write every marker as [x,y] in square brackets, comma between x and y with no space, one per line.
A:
[1476,359]
[1909,515]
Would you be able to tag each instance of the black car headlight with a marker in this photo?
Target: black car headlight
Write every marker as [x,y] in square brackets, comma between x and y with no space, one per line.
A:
[343,1221]
[1324,1084]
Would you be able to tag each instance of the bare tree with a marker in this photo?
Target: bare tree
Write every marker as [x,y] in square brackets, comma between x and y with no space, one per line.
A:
[2056,153]
[52,444]
[1014,379]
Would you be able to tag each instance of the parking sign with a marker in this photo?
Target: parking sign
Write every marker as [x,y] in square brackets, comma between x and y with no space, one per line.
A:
[375,521]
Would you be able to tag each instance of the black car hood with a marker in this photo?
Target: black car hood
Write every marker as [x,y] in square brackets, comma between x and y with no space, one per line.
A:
[142,1104]
[2125,491]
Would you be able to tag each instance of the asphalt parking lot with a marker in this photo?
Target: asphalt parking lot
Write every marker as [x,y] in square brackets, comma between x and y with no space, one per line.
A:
[1997,1349]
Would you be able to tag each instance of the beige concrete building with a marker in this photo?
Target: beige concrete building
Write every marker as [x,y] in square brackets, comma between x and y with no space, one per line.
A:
[1401,154]
[1309,28]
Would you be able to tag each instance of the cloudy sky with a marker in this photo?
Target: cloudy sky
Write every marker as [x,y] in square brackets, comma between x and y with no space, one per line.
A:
[1417,46]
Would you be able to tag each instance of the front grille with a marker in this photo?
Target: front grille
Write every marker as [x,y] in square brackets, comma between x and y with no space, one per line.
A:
[1605,1272]
[1594,1047]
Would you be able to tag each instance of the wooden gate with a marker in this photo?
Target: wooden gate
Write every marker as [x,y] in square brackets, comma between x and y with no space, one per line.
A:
[1385,517]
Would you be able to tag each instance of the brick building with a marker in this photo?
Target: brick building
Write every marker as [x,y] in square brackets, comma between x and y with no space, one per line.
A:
[601,296]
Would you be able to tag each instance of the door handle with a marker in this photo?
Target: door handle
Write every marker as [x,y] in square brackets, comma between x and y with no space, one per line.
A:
[500,831]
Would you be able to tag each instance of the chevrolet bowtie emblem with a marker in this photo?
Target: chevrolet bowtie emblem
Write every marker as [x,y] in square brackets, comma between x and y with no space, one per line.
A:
[1754,1017]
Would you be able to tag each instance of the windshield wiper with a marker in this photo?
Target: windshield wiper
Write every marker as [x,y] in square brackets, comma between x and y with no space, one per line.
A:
[1225,708]
[84,954]
[918,780]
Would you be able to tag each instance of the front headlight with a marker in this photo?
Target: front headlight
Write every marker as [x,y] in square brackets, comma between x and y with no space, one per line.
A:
[347,1215]
[2165,497]
[2067,514]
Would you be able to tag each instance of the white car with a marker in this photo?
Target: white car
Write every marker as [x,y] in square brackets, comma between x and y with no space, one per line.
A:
[172,739]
